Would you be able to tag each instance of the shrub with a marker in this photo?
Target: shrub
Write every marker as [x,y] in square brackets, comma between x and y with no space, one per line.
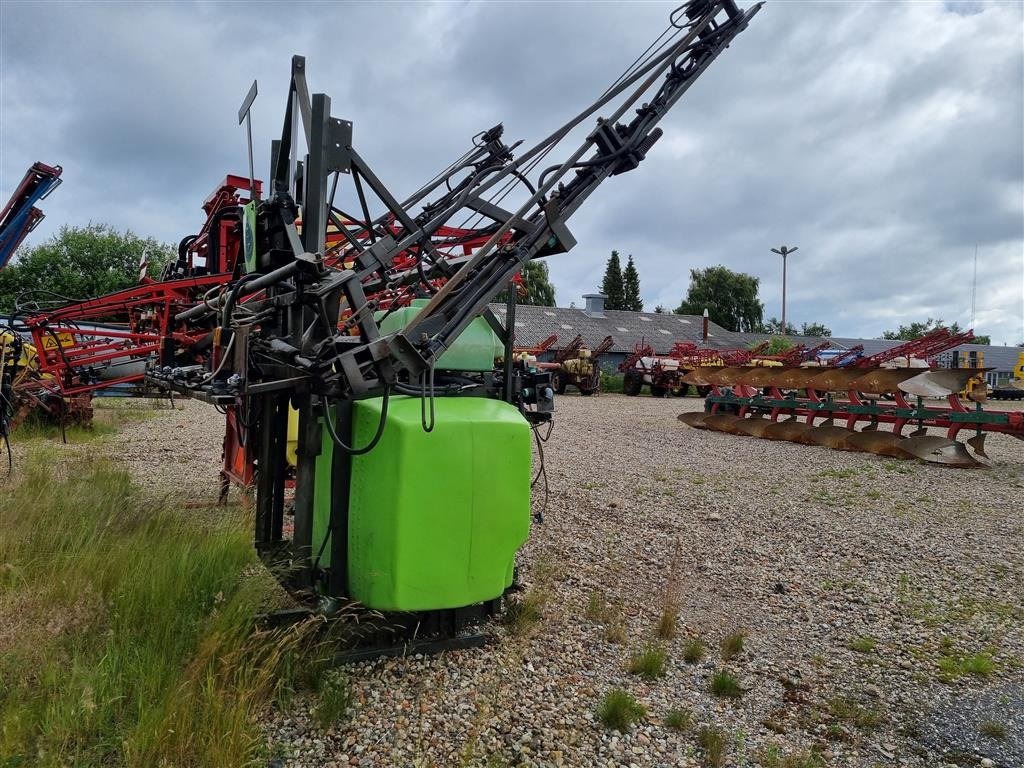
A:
[678,719]
[712,742]
[725,685]
[649,663]
[335,698]
[732,645]
[694,651]
[619,710]
[523,615]
[863,644]
[993,729]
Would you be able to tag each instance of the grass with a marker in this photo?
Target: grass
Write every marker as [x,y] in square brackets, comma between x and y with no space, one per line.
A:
[611,382]
[619,710]
[334,699]
[773,757]
[667,623]
[850,711]
[725,685]
[522,616]
[679,719]
[597,607]
[953,666]
[732,645]
[649,663]
[712,742]
[109,416]
[694,650]
[863,644]
[133,639]
[993,729]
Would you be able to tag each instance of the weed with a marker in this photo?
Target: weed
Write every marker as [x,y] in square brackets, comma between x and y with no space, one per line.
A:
[863,644]
[649,663]
[694,650]
[850,711]
[597,607]
[725,685]
[619,710]
[135,641]
[837,473]
[873,493]
[667,622]
[732,645]
[953,666]
[679,719]
[993,729]
[335,698]
[773,757]
[522,616]
[611,382]
[712,741]
[615,632]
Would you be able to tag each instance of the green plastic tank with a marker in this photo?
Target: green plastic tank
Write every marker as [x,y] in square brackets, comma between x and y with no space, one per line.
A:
[435,519]
[474,350]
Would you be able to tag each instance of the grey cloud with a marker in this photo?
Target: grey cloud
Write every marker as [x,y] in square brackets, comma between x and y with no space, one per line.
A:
[882,138]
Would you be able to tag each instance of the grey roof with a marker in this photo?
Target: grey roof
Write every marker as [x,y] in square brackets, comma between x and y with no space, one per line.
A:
[661,331]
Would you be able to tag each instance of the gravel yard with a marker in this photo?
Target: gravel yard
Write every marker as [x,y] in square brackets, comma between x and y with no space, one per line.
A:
[881,605]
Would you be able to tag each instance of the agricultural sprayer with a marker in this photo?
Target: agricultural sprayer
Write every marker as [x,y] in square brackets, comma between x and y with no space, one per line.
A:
[356,346]
[880,404]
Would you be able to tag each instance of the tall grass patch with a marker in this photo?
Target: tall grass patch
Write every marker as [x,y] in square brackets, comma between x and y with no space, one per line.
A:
[130,636]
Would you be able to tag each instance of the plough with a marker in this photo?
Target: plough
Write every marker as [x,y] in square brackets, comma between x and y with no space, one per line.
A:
[842,405]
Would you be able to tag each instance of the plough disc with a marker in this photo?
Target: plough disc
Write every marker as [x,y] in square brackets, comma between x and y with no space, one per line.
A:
[694,419]
[883,380]
[831,436]
[754,426]
[698,377]
[794,378]
[759,376]
[722,422]
[940,383]
[939,450]
[724,377]
[879,443]
[835,379]
[792,431]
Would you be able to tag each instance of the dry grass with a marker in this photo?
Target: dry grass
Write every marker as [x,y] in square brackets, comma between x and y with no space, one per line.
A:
[136,642]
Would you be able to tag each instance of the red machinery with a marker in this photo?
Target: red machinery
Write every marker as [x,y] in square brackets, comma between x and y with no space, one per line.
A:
[876,392]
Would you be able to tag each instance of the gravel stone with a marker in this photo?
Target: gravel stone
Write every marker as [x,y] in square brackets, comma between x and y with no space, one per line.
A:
[650,514]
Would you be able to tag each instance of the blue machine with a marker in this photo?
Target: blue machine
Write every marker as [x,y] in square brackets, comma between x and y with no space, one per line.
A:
[20,216]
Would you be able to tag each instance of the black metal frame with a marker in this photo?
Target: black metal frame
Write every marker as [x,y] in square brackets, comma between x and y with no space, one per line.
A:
[299,357]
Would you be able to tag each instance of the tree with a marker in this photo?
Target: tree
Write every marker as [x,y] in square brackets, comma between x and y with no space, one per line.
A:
[612,286]
[631,287]
[815,329]
[660,310]
[774,325]
[730,298]
[80,263]
[776,346]
[536,283]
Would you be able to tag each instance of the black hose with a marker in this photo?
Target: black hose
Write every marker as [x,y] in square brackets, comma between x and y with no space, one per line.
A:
[329,422]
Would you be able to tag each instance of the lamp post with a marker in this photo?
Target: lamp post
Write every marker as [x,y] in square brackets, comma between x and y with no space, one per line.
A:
[784,251]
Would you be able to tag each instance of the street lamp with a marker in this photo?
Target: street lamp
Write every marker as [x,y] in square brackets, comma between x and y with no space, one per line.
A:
[784,251]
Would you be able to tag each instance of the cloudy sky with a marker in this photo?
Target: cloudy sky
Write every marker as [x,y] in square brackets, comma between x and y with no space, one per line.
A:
[885,139]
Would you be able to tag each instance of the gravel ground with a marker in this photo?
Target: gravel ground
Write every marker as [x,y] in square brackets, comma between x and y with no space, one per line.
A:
[881,602]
